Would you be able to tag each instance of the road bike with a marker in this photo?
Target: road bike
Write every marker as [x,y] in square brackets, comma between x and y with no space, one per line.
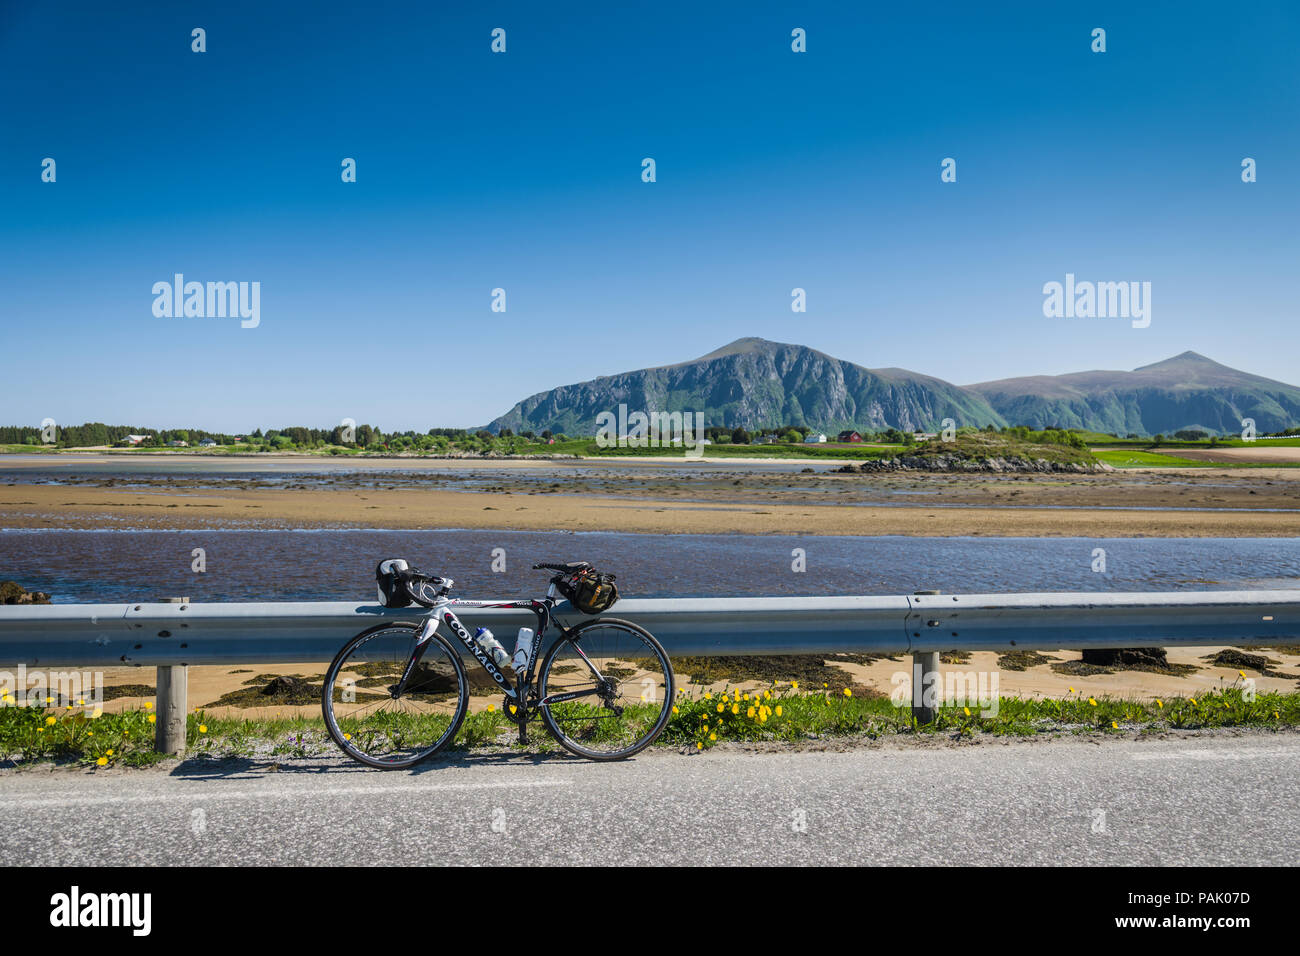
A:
[397,692]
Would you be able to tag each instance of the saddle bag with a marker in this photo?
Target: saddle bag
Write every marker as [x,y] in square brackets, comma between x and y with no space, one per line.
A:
[589,590]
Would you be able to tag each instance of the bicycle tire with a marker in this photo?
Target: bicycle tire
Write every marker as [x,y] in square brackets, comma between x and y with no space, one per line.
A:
[344,740]
[645,740]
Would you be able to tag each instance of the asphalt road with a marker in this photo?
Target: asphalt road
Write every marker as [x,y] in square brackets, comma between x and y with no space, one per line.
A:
[1194,801]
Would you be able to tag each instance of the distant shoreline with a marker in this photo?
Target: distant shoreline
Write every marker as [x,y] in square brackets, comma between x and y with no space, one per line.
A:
[650,512]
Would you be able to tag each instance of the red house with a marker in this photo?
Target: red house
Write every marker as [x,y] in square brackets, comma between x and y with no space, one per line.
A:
[849,437]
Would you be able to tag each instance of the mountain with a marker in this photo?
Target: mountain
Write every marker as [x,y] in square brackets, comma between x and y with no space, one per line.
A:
[1186,391]
[754,383]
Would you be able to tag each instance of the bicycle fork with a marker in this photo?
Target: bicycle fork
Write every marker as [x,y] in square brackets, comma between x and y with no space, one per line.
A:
[422,640]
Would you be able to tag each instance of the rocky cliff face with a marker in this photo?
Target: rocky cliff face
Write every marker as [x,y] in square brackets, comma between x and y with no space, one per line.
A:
[754,383]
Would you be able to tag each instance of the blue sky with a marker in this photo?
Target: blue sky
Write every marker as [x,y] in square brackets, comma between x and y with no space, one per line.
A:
[523,171]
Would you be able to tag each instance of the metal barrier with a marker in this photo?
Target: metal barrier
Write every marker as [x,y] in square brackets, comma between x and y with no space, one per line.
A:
[178,634]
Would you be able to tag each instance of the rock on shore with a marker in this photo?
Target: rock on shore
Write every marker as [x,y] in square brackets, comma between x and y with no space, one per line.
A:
[11,592]
[958,463]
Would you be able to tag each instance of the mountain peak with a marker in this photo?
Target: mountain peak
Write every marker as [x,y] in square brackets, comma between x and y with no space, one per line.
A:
[749,343]
[1182,359]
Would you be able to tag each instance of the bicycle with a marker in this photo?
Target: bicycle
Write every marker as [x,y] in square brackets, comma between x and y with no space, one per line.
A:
[421,688]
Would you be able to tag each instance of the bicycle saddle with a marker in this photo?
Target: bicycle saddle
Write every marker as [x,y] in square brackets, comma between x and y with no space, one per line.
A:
[568,567]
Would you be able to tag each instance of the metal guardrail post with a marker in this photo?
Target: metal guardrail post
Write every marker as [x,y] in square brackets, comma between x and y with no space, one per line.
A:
[923,664]
[171,702]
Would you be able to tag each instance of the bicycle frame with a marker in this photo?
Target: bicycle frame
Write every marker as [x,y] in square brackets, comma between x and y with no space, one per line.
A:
[442,613]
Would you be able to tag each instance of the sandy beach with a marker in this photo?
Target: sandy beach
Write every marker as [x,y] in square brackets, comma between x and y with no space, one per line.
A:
[646,498]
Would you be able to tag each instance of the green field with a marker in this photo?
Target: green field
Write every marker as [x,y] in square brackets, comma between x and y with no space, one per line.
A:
[1133,458]
[1081,446]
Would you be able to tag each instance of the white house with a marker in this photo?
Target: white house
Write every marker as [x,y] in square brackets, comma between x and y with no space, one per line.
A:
[134,439]
[815,438]
[207,443]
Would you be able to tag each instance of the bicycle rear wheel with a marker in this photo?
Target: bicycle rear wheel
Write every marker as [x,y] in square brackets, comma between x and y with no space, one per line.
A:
[378,729]
[606,689]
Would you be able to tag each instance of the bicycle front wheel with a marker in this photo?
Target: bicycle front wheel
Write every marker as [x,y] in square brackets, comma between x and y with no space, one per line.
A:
[606,689]
[375,725]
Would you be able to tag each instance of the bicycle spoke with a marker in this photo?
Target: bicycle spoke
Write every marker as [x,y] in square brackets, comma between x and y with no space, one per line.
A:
[628,706]
[397,731]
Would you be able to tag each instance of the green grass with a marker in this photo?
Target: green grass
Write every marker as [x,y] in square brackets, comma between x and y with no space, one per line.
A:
[1133,458]
[32,734]
[27,449]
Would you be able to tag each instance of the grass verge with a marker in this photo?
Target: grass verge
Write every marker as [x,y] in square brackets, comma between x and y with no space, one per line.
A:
[782,712]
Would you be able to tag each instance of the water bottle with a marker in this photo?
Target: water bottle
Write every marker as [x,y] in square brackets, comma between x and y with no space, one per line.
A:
[493,647]
[523,650]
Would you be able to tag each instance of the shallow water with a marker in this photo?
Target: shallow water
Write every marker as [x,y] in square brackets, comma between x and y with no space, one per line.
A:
[244,565]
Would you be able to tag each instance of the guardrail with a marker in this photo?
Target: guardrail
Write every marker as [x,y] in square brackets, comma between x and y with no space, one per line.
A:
[108,635]
[174,635]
